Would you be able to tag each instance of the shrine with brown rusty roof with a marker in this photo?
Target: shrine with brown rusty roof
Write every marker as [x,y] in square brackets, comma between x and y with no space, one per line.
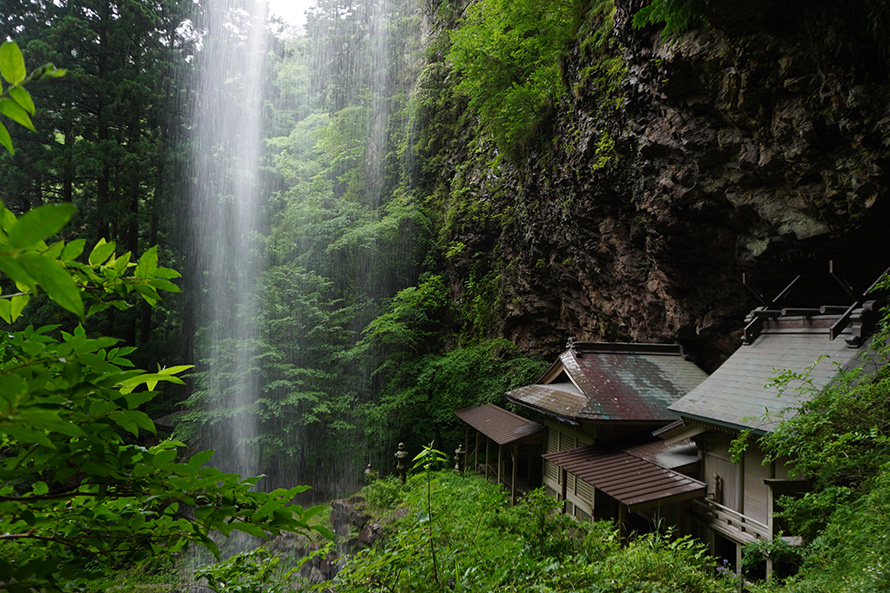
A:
[598,403]
[601,382]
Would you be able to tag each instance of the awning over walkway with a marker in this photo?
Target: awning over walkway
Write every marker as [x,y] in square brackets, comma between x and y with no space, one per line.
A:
[499,425]
[629,479]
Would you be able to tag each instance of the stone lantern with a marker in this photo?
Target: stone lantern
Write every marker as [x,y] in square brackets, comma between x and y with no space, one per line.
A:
[401,454]
[457,453]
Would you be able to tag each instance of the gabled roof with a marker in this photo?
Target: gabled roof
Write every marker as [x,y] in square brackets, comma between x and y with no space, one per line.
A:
[596,382]
[500,425]
[740,395]
[623,475]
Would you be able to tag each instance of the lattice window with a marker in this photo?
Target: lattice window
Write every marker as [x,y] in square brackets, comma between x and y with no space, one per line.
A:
[566,442]
[585,491]
[552,441]
[551,471]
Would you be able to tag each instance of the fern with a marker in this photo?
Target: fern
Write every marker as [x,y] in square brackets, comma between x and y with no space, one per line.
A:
[678,16]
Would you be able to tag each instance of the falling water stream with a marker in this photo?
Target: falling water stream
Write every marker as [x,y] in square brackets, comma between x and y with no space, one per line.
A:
[227,208]
[346,70]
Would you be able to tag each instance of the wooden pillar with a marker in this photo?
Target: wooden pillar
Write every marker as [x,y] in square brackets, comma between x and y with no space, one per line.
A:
[565,500]
[531,453]
[770,521]
[622,518]
[740,486]
[467,447]
[476,454]
[515,475]
[487,452]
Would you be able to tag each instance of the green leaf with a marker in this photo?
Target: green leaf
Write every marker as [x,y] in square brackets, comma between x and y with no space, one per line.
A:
[72,250]
[23,98]
[55,280]
[14,111]
[148,263]
[39,224]
[134,400]
[164,458]
[13,268]
[54,250]
[143,421]
[5,139]
[12,385]
[148,293]
[161,284]
[200,458]
[101,252]
[6,310]
[18,305]
[12,64]
[50,71]
[167,273]
[28,435]
[249,528]
[126,421]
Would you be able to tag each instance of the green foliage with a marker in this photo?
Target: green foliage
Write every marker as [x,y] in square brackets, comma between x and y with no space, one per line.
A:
[851,553]
[678,16]
[550,533]
[422,393]
[15,101]
[385,493]
[110,140]
[786,558]
[256,571]
[508,53]
[838,436]
[427,459]
[661,564]
[79,494]
[484,545]
[411,322]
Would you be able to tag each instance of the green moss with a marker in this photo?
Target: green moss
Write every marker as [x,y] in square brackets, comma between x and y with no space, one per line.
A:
[605,151]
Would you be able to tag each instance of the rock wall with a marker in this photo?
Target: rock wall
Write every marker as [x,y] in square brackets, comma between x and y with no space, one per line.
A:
[757,143]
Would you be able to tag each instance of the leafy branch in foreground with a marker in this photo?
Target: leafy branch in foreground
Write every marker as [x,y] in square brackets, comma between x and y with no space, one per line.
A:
[79,495]
[15,101]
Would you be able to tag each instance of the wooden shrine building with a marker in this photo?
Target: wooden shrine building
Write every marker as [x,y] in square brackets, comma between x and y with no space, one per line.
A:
[508,432]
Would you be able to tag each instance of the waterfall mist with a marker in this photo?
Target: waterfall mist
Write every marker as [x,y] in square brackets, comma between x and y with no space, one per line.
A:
[304,224]
[227,211]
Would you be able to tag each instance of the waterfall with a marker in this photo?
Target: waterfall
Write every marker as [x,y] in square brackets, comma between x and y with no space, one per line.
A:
[227,210]
[290,258]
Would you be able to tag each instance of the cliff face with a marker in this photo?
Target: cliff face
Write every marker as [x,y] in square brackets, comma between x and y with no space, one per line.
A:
[758,143]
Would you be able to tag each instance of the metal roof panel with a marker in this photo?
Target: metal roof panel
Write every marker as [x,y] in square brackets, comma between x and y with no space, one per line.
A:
[501,426]
[614,382]
[741,393]
[627,478]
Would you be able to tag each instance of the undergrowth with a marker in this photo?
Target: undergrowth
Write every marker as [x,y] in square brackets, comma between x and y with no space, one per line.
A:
[481,543]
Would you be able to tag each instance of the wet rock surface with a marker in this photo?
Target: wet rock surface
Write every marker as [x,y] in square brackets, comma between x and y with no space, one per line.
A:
[756,146]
